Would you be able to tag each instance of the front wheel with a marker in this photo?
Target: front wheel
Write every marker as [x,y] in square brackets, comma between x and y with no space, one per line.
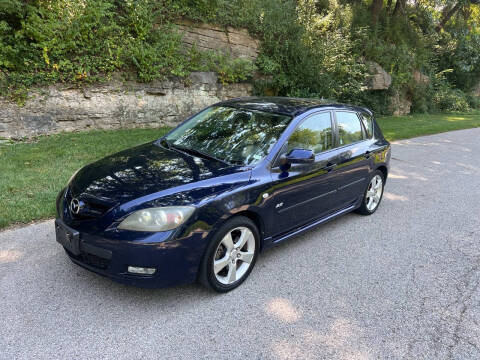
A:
[373,194]
[230,255]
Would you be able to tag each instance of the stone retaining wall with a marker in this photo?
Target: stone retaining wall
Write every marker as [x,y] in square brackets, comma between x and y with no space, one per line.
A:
[235,42]
[113,105]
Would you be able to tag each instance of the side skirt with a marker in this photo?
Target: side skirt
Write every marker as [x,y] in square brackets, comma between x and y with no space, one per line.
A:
[269,242]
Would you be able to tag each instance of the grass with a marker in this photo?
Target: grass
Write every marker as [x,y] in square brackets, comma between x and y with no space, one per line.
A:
[32,173]
[405,127]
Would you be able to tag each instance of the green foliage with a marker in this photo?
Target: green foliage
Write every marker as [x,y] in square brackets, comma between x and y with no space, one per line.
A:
[377,100]
[309,48]
[302,55]
[421,96]
[230,70]
[459,50]
[447,99]
[438,96]
[90,40]
[473,101]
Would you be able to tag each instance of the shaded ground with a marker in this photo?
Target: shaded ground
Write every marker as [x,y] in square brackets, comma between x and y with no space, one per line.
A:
[403,283]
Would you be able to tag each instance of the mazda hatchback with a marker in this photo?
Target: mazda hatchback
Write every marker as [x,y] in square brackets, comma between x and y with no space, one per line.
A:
[201,203]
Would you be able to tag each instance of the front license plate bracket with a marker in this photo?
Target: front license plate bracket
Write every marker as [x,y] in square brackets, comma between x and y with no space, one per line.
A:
[68,237]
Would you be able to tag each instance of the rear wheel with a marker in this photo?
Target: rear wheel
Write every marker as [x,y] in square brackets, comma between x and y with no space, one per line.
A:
[373,195]
[230,255]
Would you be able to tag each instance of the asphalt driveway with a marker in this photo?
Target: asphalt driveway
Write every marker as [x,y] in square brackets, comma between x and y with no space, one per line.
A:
[403,283]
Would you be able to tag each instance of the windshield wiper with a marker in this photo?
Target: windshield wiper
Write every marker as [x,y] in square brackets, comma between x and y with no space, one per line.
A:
[197,153]
[164,142]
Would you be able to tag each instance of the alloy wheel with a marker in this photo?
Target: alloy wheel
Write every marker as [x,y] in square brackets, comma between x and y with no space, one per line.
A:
[374,192]
[234,255]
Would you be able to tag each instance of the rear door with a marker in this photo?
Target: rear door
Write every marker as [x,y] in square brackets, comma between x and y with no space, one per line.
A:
[351,159]
[304,191]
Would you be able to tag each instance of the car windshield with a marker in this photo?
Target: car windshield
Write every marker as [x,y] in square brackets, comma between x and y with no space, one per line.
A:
[235,136]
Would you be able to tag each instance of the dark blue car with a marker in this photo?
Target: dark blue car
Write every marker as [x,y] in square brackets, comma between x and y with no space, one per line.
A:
[202,202]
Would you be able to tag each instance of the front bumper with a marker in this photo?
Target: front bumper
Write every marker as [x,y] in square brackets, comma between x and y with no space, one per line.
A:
[176,259]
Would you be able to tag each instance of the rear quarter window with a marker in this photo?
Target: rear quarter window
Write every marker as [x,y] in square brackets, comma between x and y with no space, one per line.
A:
[367,120]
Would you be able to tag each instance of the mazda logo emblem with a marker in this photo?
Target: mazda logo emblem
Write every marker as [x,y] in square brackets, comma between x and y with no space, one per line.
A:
[75,206]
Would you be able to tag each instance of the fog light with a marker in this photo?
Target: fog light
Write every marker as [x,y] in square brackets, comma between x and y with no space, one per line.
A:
[141,270]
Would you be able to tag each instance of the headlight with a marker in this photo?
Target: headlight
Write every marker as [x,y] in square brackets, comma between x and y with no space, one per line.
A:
[157,219]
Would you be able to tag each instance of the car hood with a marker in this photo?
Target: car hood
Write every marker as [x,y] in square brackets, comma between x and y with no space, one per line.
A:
[143,170]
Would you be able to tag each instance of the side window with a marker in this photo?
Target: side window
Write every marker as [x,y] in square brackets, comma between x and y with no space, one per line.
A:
[368,123]
[349,128]
[314,134]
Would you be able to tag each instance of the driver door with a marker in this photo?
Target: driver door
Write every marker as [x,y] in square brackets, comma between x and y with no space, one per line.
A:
[304,192]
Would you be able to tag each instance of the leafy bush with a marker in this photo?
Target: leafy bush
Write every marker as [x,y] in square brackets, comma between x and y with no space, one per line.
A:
[422,96]
[305,57]
[377,100]
[309,48]
[448,99]
[230,70]
[89,40]
[473,101]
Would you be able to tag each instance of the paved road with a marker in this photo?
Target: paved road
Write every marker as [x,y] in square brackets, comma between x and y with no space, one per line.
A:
[403,283]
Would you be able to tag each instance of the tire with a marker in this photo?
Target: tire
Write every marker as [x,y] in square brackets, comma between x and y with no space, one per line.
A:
[371,200]
[234,261]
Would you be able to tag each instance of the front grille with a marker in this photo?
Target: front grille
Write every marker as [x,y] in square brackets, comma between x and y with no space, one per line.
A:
[91,208]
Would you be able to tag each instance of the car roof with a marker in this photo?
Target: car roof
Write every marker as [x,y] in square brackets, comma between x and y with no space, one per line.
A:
[286,105]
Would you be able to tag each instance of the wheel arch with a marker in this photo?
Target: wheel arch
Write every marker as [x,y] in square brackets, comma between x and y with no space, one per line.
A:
[250,214]
[257,220]
[384,170]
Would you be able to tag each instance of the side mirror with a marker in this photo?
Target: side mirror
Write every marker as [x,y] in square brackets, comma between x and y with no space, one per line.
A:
[300,156]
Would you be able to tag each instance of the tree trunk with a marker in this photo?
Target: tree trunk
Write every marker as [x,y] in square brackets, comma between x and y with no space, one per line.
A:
[399,7]
[389,6]
[447,16]
[375,10]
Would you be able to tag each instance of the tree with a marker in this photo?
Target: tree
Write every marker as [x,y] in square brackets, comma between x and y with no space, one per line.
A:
[449,12]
